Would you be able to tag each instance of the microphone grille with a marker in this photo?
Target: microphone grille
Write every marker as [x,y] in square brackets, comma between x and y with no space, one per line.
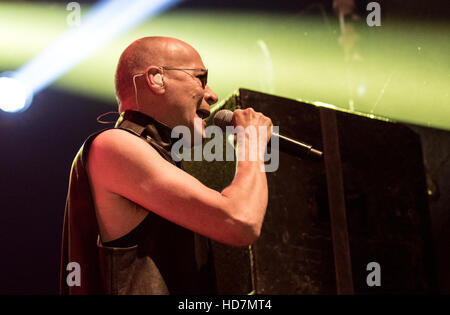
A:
[223,118]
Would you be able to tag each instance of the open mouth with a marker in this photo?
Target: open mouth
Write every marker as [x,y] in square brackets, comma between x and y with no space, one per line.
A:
[203,114]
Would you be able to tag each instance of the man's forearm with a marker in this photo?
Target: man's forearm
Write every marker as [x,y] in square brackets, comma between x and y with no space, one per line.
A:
[248,193]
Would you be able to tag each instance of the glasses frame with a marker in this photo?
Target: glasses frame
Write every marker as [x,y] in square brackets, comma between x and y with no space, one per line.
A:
[203,79]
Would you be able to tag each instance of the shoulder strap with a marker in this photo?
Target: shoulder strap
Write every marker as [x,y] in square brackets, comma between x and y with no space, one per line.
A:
[153,132]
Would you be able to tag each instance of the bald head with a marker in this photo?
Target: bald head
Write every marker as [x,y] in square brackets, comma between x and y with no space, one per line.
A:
[145,52]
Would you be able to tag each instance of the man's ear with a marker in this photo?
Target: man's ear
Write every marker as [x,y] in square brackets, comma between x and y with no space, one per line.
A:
[155,80]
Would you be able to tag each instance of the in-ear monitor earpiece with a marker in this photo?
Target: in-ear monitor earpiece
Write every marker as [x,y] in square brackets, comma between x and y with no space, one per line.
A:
[158,79]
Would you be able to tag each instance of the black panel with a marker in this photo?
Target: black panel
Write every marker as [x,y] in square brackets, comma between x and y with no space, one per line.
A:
[386,204]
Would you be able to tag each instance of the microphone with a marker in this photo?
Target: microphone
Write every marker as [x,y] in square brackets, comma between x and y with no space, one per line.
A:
[224,117]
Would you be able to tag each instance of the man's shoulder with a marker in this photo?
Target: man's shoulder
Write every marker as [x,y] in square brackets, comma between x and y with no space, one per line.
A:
[118,159]
[118,144]
[115,138]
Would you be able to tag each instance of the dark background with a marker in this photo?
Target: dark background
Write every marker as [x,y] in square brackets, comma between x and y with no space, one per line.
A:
[38,146]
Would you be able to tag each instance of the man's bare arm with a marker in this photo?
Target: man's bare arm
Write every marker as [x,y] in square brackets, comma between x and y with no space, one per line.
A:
[124,164]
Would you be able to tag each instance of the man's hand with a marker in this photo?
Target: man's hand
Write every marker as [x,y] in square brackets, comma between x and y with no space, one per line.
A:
[256,133]
[248,117]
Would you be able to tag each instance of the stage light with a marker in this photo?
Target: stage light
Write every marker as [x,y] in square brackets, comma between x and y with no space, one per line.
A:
[105,21]
[14,95]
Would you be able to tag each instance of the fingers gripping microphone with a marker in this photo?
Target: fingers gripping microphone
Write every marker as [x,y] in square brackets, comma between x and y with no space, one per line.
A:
[224,118]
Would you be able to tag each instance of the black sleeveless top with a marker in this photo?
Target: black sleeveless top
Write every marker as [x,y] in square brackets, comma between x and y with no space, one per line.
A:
[132,238]
[157,257]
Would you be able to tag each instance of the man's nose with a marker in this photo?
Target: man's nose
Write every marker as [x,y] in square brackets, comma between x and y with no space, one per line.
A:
[210,96]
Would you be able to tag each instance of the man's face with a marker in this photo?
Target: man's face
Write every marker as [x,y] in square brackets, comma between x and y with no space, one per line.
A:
[187,97]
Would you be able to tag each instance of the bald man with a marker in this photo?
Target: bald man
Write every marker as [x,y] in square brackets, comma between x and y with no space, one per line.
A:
[135,222]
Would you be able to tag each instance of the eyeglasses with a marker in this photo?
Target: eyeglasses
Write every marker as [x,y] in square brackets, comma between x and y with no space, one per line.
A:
[203,77]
